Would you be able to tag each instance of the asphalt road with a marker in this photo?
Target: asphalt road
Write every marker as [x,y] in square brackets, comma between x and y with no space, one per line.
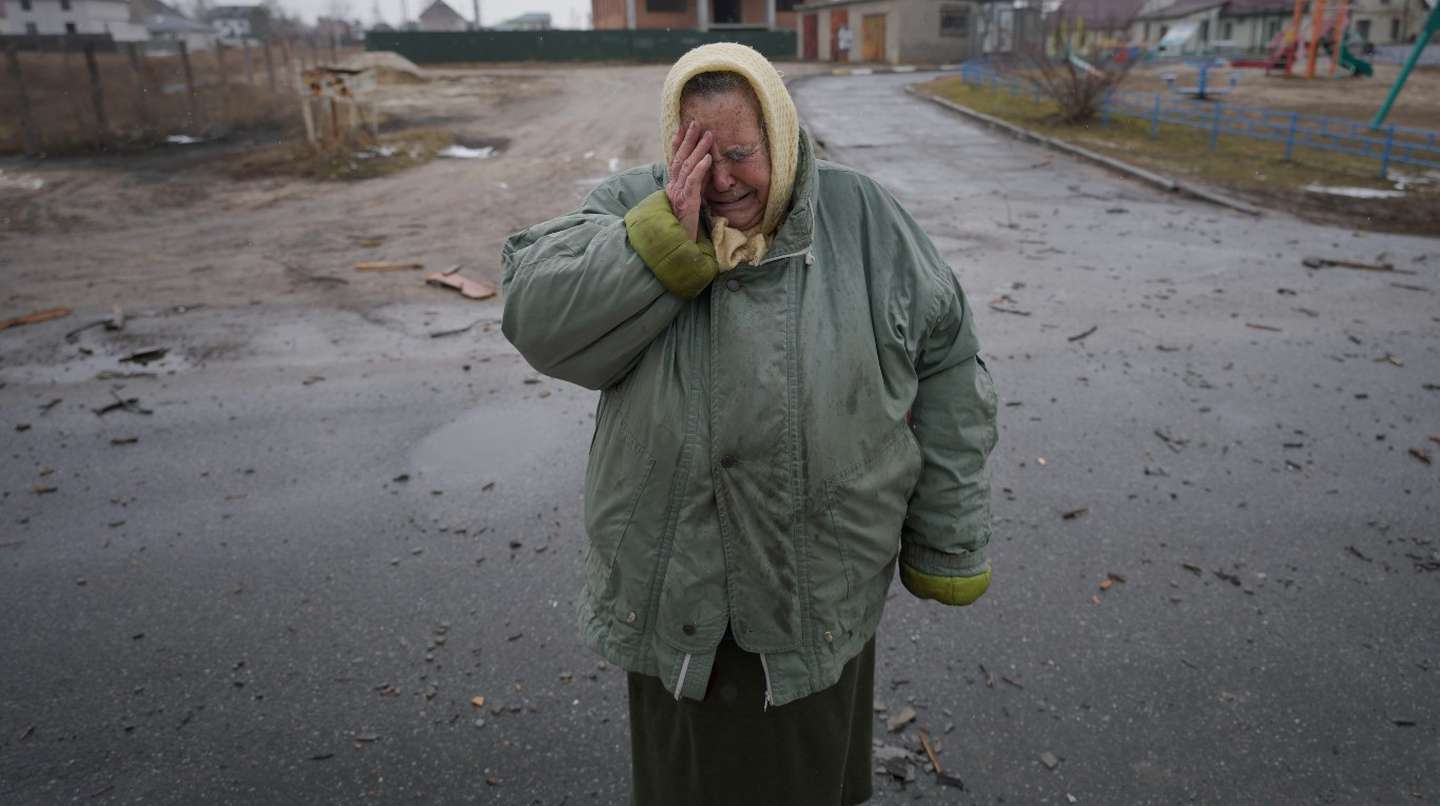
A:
[334,531]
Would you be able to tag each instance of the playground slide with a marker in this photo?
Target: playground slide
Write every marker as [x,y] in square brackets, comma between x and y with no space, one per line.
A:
[1357,66]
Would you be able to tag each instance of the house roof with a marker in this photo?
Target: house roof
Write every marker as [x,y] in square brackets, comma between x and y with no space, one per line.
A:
[1180,8]
[1101,14]
[231,12]
[533,16]
[441,8]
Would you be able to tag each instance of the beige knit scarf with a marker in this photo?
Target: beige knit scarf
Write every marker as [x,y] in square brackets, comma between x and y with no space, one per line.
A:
[782,129]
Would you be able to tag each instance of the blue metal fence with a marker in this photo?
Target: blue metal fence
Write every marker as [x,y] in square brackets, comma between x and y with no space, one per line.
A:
[1389,145]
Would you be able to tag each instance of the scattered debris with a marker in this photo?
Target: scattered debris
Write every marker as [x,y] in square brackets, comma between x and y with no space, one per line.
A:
[468,288]
[34,318]
[900,720]
[1321,263]
[894,760]
[1254,326]
[145,356]
[1080,336]
[183,140]
[1015,311]
[440,334]
[322,757]
[130,404]
[1194,569]
[1357,553]
[42,489]
[1233,579]
[478,701]
[1049,760]
[388,265]
[1421,454]
[989,677]
[1171,442]
[930,752]
[1074,513]
[1391,359]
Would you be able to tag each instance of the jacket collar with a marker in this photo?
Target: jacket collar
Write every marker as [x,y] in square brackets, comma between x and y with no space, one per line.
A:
[797,231]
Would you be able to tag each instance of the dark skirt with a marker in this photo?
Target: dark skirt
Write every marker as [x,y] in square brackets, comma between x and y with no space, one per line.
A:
[727,750]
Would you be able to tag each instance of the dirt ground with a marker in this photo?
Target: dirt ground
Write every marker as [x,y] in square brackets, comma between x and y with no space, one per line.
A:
[1345,97]
[171,227]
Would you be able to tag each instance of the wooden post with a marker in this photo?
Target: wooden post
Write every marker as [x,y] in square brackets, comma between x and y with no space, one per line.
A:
[333,58]
[224,81]
[249,66]
[137,66]
[191,107]
[70,82]
[314,53]
[269,66]
[97,94]
[1317,22]
[27,124]
[334,120]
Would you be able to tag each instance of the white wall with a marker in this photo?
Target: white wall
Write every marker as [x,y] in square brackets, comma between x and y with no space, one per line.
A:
[88,17]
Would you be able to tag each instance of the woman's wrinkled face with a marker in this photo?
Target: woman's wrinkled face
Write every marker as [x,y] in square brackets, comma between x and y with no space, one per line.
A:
[739,182]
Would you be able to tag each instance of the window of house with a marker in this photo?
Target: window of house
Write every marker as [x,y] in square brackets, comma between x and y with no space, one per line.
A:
[1395,30]
[955,21]
[1204,30]
[1164,29]
[31,29]
[1362,29]
[785,5]
[665,5]
[64,5]
[1227,30]
[24,5]
[69,27]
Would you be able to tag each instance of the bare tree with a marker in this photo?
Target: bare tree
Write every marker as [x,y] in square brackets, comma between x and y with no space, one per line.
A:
[1078,86]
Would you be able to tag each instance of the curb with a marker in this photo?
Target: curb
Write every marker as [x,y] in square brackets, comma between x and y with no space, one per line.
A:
[896,68]
[1158,180]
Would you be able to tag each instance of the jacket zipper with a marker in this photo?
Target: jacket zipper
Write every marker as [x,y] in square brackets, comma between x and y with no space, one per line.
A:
[685,669]
[769,700]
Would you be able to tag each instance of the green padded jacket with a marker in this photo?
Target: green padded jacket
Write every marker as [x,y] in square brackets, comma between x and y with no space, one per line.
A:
[769,441]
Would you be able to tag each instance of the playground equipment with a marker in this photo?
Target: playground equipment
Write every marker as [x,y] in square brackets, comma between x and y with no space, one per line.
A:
[1328,34]
[1432,24]
[1202,90]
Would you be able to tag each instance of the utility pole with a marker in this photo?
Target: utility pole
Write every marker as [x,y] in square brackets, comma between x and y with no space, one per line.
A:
[477,14]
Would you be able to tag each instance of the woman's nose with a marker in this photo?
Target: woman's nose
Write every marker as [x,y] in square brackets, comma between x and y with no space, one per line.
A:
[720,177]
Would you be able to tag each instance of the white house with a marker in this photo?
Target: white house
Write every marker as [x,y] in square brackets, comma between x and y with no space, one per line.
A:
[234,24]
[168,27]
[58,17]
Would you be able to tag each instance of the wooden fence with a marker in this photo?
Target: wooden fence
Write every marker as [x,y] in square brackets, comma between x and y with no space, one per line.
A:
[84,98]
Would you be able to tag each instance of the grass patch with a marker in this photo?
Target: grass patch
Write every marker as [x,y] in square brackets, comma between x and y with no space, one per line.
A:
[1251,168]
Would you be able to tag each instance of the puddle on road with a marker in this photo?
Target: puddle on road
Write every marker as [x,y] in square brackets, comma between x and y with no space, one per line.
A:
[496,442]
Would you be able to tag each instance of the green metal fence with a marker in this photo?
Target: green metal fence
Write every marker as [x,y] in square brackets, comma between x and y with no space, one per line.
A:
[424,47]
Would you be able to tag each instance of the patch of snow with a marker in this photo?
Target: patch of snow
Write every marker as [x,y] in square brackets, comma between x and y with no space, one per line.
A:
[614,164]
[463,153]
[1356,193]
[183,139]
[20,182]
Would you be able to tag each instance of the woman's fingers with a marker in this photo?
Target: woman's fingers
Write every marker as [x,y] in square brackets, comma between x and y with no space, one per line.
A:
[695,181]
[687,144]
[701,149]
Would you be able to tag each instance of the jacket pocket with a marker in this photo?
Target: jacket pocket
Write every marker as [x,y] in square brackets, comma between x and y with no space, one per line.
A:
[866,506]
[616,475]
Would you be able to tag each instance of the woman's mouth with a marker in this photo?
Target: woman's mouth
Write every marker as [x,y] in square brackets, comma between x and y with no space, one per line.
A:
[730,205]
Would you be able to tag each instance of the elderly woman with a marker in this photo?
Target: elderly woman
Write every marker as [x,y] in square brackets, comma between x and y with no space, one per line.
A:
[792,404]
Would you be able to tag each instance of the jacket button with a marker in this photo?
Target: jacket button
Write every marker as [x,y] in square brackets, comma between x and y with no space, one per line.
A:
[732,284]
[829,636]
[809,259]
[727,461]
[688,629]
[630,618]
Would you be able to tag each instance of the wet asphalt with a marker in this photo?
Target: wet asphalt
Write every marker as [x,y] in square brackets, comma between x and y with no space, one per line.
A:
[332,532]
